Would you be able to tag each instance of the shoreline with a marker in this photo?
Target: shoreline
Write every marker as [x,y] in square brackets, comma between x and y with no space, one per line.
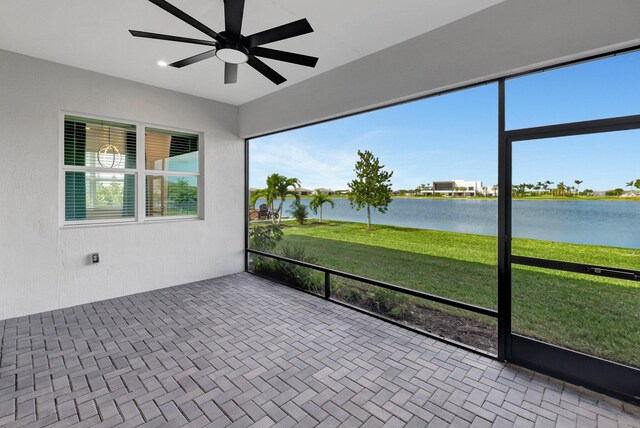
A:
[495,198]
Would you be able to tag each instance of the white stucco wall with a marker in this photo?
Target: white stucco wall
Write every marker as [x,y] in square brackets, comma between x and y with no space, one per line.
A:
[44,266]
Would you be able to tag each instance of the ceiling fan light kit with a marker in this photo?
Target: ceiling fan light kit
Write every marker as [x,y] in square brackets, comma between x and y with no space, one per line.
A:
[232,55]
[231,47]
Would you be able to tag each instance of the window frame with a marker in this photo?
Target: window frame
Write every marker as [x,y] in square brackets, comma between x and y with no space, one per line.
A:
[140,173]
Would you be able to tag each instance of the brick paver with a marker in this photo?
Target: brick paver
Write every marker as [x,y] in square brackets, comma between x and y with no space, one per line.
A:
[242,351]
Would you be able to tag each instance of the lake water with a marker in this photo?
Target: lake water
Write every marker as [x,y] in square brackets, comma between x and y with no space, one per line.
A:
[611,223]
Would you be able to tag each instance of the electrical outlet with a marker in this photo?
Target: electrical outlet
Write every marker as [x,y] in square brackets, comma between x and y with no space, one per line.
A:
[95,258]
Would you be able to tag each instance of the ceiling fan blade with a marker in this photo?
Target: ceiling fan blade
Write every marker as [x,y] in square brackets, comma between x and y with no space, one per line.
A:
[193,59]
[307,61]
[158,36]
[265,70]
[186,18]
[230,73]
[233,10]
[292,29]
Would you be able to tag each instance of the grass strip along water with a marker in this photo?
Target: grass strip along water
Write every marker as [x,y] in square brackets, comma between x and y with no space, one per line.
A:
[596,315]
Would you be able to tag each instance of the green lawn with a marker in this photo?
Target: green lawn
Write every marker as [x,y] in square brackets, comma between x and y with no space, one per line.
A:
[600,316]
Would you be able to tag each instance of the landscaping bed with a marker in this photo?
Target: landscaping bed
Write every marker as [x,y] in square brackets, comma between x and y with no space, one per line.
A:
[587,313]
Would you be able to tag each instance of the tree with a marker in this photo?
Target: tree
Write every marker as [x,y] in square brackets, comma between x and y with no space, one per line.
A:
[318,200]
[109,195]
[538,187]
[578,183]
[182,192]
[299,212]
[278,187]
[372,186]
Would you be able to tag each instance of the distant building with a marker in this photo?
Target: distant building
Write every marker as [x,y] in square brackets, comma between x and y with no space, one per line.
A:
[324,190]
[456,188]
[303,192]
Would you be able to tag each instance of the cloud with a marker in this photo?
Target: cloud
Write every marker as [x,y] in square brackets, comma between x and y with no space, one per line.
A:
[329,164]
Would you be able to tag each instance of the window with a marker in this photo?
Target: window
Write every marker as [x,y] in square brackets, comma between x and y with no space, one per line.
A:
[171,165]
[103,178]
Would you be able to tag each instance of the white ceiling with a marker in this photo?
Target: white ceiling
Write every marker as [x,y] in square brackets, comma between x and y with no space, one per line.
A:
[92,34]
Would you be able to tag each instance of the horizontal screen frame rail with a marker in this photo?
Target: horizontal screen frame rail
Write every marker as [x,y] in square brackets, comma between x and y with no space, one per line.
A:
[586,269]
[420,294]
[609,377]
[623,123]
[409,327]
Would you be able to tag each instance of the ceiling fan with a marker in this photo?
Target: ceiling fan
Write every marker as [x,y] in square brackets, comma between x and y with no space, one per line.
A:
[232,47]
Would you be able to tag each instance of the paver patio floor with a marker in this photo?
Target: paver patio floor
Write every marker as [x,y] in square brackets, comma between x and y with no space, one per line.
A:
[244,351]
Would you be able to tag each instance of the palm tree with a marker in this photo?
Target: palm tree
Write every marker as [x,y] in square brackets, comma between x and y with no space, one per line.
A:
[279,187]
[318,200]
[529,186]
[629,184]
[269,194]
[538,187]
[578,183]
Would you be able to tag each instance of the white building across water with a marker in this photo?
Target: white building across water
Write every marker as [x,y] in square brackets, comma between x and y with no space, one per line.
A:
[456,188]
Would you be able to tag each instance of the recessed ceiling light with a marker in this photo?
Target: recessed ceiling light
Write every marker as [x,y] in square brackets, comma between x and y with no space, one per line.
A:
[162,63]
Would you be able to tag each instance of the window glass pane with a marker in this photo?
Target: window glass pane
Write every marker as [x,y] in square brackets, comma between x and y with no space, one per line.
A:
[171,196]
[99,196]
[99,144]
[604,88]
[171,151]
[577,199]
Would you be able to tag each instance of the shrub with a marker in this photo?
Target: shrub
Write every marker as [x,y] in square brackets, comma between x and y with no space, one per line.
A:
[264,238]
[353,295]
[295,275]
[399,311]
[386,300]
[299,212]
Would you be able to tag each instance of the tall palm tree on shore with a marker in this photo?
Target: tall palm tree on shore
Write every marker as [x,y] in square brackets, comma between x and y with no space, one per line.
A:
[281,186]
[578,183]
[278,188]
[318,200]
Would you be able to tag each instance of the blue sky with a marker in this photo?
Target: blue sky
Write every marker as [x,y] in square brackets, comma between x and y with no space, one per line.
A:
[454,136]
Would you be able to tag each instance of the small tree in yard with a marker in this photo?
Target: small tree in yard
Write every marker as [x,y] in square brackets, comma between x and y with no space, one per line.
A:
[318,200]
[299,212]
[372,186]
